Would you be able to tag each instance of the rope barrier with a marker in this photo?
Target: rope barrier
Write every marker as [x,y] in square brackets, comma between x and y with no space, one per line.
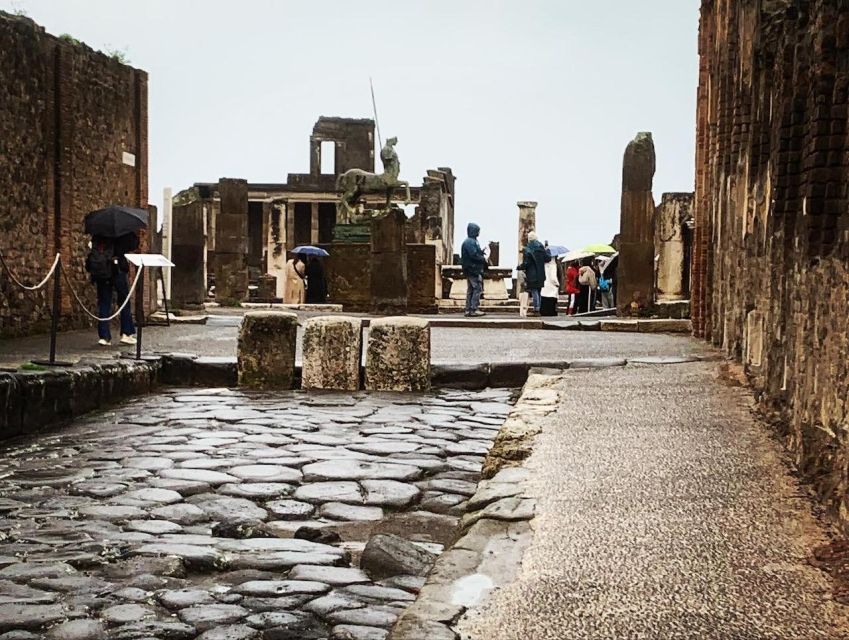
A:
[120,309]
[25,286]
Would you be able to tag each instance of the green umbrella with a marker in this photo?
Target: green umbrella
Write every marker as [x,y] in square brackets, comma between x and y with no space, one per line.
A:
[599,248]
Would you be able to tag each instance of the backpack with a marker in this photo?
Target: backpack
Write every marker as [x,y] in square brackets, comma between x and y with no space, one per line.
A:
[100,261]
[603,283]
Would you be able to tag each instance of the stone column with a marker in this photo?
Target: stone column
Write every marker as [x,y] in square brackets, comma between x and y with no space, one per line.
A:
[188,253]
[673,212]
[276,250]
[389,288]
[635,273]
[290,225]
[231,242]
[266,350]
[314,223]
[332,353]
[527,223]
[398,355]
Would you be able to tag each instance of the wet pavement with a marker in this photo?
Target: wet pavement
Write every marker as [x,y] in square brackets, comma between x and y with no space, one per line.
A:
[215,514]
[448,345]
[664,510]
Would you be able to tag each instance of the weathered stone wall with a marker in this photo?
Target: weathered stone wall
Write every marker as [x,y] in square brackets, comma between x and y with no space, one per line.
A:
[68,116]
[772,221]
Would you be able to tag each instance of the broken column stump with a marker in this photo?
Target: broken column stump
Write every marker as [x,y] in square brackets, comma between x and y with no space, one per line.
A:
[266,351]
[332,353]
[398,355]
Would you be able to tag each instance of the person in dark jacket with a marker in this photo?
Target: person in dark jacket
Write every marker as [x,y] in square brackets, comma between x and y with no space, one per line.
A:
[107,264]
[316,282]
[473,261]
[534,258]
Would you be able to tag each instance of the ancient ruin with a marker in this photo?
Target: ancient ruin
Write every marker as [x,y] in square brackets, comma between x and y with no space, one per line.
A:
[334,204]
[84,115]
[772,215]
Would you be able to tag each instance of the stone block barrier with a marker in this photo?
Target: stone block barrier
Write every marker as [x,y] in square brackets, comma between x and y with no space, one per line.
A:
[332,353]
[398,355]
[266,350]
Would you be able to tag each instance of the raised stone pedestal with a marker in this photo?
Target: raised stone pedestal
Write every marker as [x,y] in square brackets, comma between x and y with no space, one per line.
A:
[266,350]
[332,349]
[398,355]
[494,287]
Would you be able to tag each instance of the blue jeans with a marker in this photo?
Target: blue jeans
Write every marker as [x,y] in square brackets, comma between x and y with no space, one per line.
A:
[535,296]
[121,286]
[474,289]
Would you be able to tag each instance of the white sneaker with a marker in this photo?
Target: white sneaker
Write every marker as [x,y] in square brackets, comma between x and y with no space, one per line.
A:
[128,339]
[103,342]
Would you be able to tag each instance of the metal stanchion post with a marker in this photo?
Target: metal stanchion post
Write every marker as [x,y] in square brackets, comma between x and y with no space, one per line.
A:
[54,321]
[57,301]
[139,312]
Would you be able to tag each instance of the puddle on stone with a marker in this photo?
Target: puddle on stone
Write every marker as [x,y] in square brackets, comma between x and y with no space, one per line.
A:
[470,590]
[242,512]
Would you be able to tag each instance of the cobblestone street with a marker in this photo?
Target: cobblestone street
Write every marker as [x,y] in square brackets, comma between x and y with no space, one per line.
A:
[221,515]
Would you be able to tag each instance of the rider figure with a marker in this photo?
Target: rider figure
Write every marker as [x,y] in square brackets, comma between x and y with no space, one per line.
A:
[389,158]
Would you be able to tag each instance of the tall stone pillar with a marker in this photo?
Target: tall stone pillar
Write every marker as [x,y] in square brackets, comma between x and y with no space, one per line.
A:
[635,273]
[389,289]
[527,223]
[231,242]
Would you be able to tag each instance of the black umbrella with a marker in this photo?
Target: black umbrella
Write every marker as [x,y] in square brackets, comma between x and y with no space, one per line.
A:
[115,221]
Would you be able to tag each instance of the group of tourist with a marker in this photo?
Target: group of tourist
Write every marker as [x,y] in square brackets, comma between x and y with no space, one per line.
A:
[541,279]
[305,281]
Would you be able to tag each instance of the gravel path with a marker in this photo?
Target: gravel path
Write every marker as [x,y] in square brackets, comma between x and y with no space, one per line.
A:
[665,510]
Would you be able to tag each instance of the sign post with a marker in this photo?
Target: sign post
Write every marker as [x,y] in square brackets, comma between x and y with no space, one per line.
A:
[142,260]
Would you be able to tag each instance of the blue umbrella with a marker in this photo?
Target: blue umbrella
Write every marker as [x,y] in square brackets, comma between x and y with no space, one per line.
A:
[557,250]
[309,250]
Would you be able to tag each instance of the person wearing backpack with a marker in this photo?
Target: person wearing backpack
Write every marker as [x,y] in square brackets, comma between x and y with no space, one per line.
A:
[605,288]
[108,269]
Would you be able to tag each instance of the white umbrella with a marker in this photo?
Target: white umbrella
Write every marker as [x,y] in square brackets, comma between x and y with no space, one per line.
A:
[576,255]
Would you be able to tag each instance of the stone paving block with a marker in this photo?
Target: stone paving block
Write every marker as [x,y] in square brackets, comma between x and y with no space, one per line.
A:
[266,350]
[398,355]
[332,352]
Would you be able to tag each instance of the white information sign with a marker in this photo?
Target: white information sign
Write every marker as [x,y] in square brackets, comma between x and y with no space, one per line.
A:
[149,260]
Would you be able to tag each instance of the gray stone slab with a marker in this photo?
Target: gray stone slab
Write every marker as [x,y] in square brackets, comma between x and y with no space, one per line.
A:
[390,493]
[289,509]
[357,632]
[182,513]
[78,630]
[176,599]
[358,470]
[350,512]
[266,473]
[318,492]
[30,616]
[193,555]
[199,475]
[230,632]
[336,576]
[278,588]
[207,616]
[260,490]
[124,613]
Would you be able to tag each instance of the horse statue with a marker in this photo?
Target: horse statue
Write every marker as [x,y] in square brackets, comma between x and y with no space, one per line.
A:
[356,183]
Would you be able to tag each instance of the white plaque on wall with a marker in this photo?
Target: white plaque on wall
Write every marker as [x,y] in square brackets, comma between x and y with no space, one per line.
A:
[129,159]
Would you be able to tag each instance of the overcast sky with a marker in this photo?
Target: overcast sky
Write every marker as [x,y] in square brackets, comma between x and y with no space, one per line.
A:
[524,99]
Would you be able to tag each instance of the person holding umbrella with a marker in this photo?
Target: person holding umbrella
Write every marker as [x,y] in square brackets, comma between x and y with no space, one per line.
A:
[314,273]
[114,234]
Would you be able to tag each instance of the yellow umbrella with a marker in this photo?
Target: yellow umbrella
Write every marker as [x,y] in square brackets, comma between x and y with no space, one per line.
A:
[599,248]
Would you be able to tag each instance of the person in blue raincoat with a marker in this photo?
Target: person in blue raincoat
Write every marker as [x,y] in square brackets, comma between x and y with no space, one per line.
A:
[473,261]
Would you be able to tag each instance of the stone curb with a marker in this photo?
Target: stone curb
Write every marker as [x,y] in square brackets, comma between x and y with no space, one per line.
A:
[495,532]
[31,401]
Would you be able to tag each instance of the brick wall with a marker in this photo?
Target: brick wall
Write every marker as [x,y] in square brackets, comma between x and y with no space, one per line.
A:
[771,284]
[68,115]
